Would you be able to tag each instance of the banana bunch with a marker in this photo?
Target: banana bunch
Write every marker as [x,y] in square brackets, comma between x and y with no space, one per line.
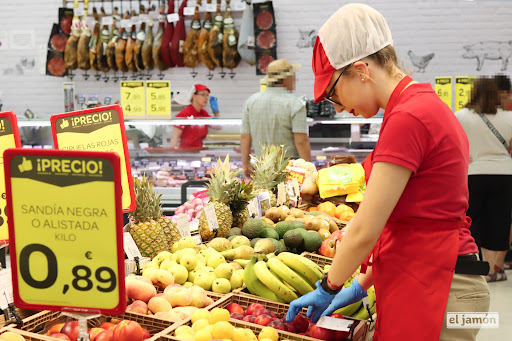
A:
[281,278]
[358,310]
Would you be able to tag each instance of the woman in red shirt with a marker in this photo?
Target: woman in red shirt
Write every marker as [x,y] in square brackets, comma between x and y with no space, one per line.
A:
[191,136]
[412,223]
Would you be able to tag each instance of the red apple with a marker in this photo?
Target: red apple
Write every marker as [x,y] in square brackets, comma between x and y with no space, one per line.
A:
[145,334]
[321,333]
[237,316]
[300,323]
[277,324]
[338,316]
[249,318]
[93,332]
[60,336]
[337,235]
[252,308]
[290,328]
[71,330]
[272,314]
[127,331]
[328,248]
[105,335]
[56,328]
[235,308]
[263,320]
[107,325]
[276,319]
[262,311]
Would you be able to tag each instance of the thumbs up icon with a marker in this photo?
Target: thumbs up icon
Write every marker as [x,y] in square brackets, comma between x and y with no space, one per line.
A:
[64,124]
[26,165]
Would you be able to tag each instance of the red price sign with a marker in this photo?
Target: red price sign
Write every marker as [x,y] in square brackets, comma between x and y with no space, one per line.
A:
[65,223]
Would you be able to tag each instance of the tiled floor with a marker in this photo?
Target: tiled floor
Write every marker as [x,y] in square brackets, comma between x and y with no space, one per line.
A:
[501,302]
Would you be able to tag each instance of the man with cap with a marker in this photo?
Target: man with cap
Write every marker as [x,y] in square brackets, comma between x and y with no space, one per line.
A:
[275,116]
[191,136]
[410,234]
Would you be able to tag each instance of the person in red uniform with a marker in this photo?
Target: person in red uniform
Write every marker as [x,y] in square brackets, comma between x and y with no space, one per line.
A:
[192,136]
[410,234]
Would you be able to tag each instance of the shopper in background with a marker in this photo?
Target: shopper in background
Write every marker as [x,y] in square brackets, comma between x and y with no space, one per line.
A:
[412,222]
[490,172]
[191,136]
[275,116]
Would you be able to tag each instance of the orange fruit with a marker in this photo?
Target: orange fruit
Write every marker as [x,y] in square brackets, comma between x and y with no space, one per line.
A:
[312,209]
[327,207]
[342,209]
[346,216]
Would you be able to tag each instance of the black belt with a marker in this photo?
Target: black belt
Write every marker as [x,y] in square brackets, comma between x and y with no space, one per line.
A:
[470,265]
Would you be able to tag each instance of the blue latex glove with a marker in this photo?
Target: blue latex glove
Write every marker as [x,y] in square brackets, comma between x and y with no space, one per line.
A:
[317,301]
[352,294]
[214,104]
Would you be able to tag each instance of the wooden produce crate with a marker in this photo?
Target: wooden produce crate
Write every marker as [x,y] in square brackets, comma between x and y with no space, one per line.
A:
[319,260]
[27,335]
[22,314]
[41,322]
[279,309]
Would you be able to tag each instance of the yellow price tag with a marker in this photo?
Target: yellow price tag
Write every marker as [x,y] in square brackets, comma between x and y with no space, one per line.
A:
[66,230]
[133,97]
[158,97]
[462,91]
[444,89]
[98,129]
[206,159]
[321,157]
[9,138]
[263,86]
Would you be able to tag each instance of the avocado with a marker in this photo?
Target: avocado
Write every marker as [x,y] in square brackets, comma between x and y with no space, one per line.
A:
[269,233]
[253,228]
[275,242]
[293,238]
[312,241]
[297,225]
[282,247]
[302,232]
[254,241]
[283,227]
[235,231]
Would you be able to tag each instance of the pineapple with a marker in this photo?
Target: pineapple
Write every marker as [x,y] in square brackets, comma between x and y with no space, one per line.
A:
[151,231]
[240,197]
[219,190]
[269,171]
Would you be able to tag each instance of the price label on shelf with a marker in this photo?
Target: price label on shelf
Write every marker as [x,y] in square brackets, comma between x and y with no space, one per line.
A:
[206,159]
[189,10]
[97,129]
[158,99]
[253,208]
[107,20]
[9,138]
[130,248]
[136,20]
[333,323]
[144,17]
[211,217]
[321,157]
[443,89]
[78,12]
[6,291]
[462,91]
[133,97]
[172,18]
[281,194]
[211,8]
[66,230]
[183,225]
[126,23]
[198,239]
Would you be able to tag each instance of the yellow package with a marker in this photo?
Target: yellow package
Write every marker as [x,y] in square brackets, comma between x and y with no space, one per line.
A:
[340,180]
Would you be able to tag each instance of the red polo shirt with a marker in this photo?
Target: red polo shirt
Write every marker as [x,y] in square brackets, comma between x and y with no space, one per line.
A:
[422,134]
[192,135]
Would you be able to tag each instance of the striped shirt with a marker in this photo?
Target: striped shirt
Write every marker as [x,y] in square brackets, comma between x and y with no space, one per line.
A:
[271,117]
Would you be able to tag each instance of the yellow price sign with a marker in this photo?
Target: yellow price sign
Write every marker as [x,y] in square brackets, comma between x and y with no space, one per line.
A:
[158,97]
[462,91]
[66,230]
[97,129]
[444,89]
[133,97]
[321,157]
[9,138]
[206,159]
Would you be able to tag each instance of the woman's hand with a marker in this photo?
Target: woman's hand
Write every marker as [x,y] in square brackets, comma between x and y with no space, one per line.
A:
[317,301]
[352,294]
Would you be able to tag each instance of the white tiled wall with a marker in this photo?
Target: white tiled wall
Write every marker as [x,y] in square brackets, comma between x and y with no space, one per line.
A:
[443,27]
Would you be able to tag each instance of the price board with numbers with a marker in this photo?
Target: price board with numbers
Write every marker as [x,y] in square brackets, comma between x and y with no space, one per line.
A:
[9,138]
[98,129]
[133,97]
[66,230]
[443,88]
[462,91]
[158,99]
